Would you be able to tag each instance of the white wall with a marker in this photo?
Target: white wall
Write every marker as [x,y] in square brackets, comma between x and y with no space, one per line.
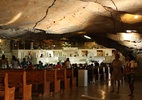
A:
[76,55]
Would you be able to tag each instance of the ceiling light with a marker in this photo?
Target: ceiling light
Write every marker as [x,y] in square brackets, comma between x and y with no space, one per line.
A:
[131,18]
[128,31]
[127,36]
[131,31]
[87,37]
[0,41]
[81,32]
[14,19]
[136,16]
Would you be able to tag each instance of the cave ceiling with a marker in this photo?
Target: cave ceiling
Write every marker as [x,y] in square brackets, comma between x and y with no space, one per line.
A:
[104,21]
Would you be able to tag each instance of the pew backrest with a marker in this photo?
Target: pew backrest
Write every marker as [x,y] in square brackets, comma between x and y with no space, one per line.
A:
[61,74]
[36,76]
[51,75]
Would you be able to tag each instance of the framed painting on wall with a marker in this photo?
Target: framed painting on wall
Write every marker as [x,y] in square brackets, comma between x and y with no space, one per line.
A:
[100,53]
[84,53]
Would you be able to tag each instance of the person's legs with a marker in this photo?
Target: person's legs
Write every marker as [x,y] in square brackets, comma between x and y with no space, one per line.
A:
[132,88]
[118,86]
[131,84]
[112,86]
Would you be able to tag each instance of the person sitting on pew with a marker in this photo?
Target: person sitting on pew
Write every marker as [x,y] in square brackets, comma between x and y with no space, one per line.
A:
[63,65]
[58,66]
[40,65]
[24,63]
[30,66]
[4,62]
[15,63]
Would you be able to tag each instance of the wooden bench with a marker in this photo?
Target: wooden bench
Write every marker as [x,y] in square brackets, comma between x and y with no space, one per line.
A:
[6,92]
[17,78]
[70,74]
[38,79]
[61,75]
[52,78]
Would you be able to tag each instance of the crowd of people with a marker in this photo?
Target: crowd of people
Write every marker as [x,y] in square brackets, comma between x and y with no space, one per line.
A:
[14,63]
[118,69]
[27,64]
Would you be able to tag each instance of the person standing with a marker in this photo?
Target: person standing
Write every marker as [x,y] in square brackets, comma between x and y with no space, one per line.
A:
[67,63]
[4,62]
[130,68]
[29,57]
[116,73]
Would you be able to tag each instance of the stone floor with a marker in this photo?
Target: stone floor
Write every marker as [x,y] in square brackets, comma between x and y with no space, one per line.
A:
[97,91]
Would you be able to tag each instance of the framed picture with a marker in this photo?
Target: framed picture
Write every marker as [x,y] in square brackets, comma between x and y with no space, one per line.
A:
[100,53]
[84,53]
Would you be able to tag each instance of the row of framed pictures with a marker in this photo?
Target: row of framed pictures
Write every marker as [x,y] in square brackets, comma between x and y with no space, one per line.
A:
[65,53]
[75,55]
[89,53]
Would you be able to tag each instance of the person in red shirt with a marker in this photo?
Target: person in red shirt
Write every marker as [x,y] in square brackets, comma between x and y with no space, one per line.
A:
[63,65]
[58,66]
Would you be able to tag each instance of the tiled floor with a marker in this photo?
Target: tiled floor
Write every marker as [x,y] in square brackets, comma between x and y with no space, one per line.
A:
[97,91]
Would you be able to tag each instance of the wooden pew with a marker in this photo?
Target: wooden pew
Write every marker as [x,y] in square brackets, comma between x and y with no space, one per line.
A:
[52,78]
[17,78]
[38,78]
[6,92]
[61,75]
[70,74]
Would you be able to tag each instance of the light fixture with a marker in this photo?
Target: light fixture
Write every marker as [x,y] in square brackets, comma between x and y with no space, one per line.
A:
[131,31]
[87,37]
[127,36]
[14,19]
[136,16]
[81,32]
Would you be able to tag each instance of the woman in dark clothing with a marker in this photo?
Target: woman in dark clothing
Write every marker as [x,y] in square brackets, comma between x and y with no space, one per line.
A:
[15,62]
